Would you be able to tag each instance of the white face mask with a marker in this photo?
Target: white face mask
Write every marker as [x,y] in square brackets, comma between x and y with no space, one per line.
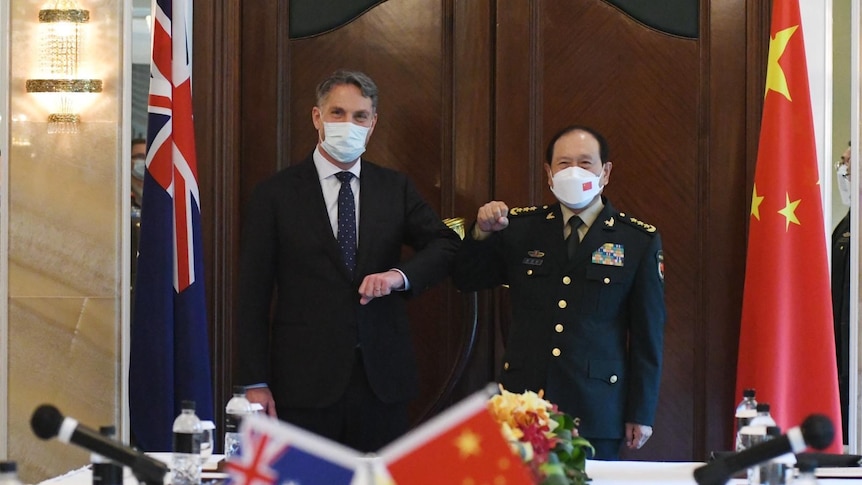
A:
[138,168]
[844,184]
[344,141]
[576,187]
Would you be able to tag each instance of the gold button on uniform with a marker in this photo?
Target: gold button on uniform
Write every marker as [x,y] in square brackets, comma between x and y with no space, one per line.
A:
[562,304]
[559,328]
[613,379]
[506,366]
[607,280]
[566,280]
[556,352]
[529,272]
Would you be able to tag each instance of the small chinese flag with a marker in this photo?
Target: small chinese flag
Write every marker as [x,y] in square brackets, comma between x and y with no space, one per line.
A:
[786,342]
[462,445]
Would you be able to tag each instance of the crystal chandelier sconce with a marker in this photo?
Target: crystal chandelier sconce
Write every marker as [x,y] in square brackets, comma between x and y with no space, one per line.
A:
[61,25]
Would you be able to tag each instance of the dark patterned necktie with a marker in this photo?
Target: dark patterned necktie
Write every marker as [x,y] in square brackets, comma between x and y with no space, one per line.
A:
[573,240]
[346,221]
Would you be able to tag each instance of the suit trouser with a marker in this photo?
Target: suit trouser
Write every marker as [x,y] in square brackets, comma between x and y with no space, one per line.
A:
[358,419]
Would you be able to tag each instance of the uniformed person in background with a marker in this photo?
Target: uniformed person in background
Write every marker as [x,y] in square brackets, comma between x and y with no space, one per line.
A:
[841,289]
[138,167]
[587,293]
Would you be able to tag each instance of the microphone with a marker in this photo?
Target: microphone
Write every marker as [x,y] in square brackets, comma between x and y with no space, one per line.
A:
[816,431]
[47,422]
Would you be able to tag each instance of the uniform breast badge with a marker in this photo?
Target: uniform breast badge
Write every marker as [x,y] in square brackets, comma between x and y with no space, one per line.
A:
[609,254]
[534,258]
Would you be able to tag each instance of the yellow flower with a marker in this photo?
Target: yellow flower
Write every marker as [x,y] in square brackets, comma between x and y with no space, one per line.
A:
[522,410]
[530,424]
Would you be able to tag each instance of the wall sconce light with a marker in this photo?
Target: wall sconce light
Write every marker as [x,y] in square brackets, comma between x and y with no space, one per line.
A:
[61,24]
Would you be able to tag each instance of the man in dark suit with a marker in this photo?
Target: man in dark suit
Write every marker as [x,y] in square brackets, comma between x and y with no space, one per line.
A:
[325,237]
[587,294]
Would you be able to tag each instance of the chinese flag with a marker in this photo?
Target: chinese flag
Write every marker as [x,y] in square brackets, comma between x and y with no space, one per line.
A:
[786,343]
[462,445]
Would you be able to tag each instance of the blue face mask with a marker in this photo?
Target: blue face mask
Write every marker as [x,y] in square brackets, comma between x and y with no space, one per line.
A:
[139,166]
[344,141]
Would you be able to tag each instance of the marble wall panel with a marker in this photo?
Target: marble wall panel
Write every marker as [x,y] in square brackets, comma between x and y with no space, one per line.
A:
[65,237]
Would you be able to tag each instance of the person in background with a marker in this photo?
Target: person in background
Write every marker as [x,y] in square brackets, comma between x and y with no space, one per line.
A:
[139,166]
[586,284]
[325,237]
[841,289]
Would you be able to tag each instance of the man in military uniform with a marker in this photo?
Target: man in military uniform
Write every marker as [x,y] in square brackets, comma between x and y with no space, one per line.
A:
[587,294]
[841,289]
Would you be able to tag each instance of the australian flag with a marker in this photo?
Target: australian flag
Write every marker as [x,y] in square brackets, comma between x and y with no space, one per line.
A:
[276,453]
[169,359]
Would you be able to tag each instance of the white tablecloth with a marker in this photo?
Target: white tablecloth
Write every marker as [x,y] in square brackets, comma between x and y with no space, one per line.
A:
[602,473]
[676,473]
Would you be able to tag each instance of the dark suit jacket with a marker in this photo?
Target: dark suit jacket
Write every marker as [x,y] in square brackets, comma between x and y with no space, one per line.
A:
[305,352]
[590,331]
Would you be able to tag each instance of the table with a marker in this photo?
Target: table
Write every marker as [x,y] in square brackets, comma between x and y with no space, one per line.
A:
[84,476]
[601,472]
[682,473]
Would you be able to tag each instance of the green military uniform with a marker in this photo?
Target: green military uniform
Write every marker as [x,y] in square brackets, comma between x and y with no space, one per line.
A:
[841,312]
[589,331]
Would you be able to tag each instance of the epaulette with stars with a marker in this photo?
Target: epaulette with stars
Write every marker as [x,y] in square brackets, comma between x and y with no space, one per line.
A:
[643,226]
[530,211]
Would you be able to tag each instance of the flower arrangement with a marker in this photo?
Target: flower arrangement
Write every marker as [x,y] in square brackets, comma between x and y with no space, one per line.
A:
[545,438]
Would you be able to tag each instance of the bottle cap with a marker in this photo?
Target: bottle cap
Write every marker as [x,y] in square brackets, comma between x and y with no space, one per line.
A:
[763,407]
[188,405]
[239,390]
[748,392]
[8,466]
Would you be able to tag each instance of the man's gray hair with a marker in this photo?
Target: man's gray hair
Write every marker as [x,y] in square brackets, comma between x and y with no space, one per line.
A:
[341,77]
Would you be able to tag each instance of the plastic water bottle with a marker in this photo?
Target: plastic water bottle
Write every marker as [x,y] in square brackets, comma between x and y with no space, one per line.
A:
[756,428]
[779,470]
[745,412]
[106,472]
[763,417]
[9,473]
[186,466]
[237,408]
[753,434]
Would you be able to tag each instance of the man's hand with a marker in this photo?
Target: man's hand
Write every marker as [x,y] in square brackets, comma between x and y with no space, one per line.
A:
[379,284]
[637,435]
[262,396]
[492,217]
